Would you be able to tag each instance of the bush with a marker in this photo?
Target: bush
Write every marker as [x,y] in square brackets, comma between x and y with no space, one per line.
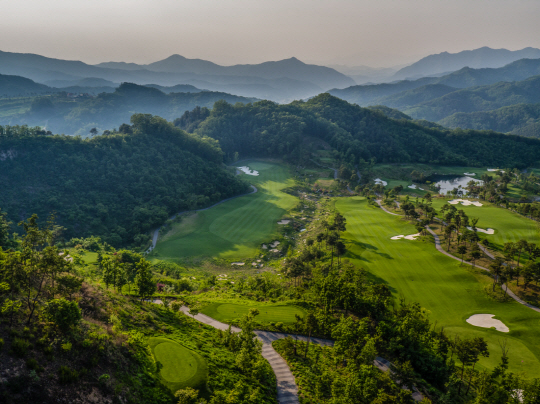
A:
[1,343]
[19,347]
[63,313]
[32,364]
[67,375]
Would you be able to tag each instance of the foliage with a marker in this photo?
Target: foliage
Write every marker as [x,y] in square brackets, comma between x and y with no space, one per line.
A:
[63,313]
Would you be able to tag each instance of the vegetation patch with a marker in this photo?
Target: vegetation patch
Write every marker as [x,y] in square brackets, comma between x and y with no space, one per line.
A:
[227,312]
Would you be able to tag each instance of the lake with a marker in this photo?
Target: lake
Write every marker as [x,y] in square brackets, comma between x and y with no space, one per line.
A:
[449,182]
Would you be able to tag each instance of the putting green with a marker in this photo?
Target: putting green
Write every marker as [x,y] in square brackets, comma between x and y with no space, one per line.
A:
[226,312]
[509,226]
[236,228]
[181,366]
[418,272]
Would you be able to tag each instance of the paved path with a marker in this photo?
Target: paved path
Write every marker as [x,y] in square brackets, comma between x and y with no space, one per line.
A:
[441,250]
[386,210]
[287,391]
[156,232]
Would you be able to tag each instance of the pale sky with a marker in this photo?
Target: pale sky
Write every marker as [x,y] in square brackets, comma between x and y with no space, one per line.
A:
[353,32]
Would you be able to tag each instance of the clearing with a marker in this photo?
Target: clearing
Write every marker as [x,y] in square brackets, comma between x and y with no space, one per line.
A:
[225,312]
[234,229]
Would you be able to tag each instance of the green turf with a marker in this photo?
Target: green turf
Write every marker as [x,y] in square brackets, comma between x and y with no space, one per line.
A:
[234,229]
[416,271]
[508,226]
[181,367]
[226,312]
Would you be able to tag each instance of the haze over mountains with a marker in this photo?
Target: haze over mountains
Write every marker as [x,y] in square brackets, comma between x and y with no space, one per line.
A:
[277,81]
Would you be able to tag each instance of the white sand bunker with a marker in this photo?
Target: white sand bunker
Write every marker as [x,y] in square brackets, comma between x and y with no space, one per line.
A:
[238,263]
[495,169]
[379,181]
[464,202]
[246,170]
[469,174]
[264,247]
[488,231]
[409,237]
[486,321]
[275,244]
[414,187]
[284,221]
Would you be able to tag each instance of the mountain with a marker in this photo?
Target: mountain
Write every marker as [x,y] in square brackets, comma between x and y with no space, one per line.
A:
[519,119]
[279,81]
[477,58]
[109,110]
[86,82]
[179,88]
[17,86]
[482,98]
[464,78]
[390,112]
[416,95]
[357,134]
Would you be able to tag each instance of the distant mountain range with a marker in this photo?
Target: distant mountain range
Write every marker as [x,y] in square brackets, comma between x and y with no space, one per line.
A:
[445,62]
[467,77]
[278,81]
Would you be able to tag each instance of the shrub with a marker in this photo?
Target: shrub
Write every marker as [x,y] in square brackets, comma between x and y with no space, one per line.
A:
[19,347]
[67,375]
[1,343]
[63,313]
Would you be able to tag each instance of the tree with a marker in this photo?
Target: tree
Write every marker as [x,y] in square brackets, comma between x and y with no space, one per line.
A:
[475,254]
[462,250]
[63,313]
[187,395]
[469,352]
[143,281]
[4,229]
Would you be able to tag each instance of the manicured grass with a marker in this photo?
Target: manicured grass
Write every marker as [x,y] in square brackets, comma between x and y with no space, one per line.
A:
[508,226]
[416,271]
[226,312]
[234,229]
[181,367]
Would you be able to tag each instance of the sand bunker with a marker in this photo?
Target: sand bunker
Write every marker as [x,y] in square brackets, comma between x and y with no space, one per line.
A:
[274,250]
[246,170]
[409,237]
[275,244]
[414,187]
[464,202]
[486,321]
[469,174]
[284,221]
[495,169]
[379,181]
[488,231]
[264,247]
[238,263]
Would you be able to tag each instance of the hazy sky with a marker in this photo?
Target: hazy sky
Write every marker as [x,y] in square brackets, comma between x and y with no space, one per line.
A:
[370,32]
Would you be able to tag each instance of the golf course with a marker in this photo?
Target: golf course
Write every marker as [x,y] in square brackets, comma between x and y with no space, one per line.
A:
[181,367]
[451,293]
[225,312]
[508,225]
[236,228]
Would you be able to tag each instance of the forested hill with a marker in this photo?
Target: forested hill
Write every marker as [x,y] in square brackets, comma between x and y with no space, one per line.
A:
[109,110]
[117,186]
[358,134]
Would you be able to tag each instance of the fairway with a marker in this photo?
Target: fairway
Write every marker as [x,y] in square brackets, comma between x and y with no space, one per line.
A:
[226,312]
[508,225]
[181,366]
[416,271]
[236,228]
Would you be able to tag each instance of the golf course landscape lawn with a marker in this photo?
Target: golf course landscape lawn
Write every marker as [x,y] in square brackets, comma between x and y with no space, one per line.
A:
[181,366]
[226,312]
[236,228]
[416,271]
[508,225]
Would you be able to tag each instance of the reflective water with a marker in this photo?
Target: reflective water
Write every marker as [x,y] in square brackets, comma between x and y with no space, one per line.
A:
[448,183]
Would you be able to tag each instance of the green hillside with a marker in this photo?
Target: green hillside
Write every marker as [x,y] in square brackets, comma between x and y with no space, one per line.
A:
[117,186]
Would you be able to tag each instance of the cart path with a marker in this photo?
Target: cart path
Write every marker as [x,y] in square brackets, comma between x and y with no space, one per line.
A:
[287,390]
[156,232]
[441,250]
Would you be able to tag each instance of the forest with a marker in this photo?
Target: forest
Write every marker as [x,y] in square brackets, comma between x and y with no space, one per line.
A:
[117,186]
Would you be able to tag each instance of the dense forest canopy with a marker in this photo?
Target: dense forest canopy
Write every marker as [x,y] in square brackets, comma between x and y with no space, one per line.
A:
[116,186]
[358,134]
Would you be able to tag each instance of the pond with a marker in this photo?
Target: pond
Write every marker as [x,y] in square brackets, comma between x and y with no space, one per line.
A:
[448,182]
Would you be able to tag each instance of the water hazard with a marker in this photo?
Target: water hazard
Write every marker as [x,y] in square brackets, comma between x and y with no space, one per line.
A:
[448,182]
